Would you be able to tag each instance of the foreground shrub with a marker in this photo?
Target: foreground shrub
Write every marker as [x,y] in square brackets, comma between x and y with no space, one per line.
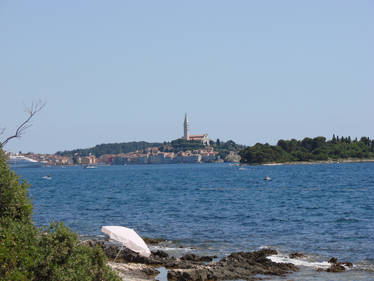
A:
[18,242]
[14,202]
[62,257]
[49,254]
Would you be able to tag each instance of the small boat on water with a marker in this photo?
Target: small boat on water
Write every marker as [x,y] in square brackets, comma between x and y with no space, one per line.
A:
[89,167]
[267,178]
[47,177]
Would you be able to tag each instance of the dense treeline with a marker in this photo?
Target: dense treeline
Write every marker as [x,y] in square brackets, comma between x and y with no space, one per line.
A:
[224,148]
[309,149]
[110,148]
[33,254]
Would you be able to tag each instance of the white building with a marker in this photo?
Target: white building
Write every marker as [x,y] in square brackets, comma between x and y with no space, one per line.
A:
[187,136]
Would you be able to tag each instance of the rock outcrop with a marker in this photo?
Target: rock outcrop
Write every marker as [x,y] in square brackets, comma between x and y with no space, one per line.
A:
[240,265]
[337,266]
[296,255]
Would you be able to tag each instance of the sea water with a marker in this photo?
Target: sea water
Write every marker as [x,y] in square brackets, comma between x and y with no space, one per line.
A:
[320,210]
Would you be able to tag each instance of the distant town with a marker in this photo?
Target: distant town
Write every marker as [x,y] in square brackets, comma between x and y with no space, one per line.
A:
[188,149]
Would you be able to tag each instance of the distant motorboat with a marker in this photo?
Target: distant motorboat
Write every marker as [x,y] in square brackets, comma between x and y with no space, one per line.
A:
[267,178]
[20,161]
[47,177]
[90,167]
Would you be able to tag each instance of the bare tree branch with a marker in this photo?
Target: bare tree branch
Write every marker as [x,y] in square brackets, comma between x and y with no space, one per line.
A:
[32,110]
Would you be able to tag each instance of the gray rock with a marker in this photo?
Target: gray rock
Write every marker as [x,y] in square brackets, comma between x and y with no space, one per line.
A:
[333,260]
[153,241]
[197,258]
[336,268]
[296,255]
[242,265]
[160,254]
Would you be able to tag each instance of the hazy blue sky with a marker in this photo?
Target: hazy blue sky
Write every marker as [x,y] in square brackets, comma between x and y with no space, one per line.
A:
[251,71]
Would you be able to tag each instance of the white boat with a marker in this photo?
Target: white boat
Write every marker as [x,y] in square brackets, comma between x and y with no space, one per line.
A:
[19,161]
[90,167]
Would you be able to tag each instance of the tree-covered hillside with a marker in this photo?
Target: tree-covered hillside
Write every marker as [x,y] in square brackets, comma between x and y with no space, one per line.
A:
[224,148]
[309,149]
[110,148]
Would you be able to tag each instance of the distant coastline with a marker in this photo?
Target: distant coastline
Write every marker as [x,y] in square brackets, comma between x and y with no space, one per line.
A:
[310,150]
[315,162]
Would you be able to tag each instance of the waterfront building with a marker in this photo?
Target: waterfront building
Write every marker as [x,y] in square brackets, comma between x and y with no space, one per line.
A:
[87,160]
[192,158]
[169,158]
[156,158]
[143,159]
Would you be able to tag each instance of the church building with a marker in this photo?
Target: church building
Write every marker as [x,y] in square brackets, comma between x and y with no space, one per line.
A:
[186,128]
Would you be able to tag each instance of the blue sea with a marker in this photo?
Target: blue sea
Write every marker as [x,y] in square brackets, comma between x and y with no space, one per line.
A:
[321,210]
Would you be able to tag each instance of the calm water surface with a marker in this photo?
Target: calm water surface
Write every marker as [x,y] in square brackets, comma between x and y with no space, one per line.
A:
[322,210]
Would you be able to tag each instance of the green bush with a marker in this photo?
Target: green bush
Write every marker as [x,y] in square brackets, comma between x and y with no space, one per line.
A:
[50,253]
[14,203]
[18,242]
[61,257]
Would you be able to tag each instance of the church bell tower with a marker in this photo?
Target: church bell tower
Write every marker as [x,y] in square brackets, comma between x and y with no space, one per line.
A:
[186,127]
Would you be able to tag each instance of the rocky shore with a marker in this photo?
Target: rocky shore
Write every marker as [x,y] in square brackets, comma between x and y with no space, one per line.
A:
[239,265]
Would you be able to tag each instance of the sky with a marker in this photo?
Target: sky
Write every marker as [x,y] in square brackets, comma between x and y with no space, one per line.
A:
[250,71]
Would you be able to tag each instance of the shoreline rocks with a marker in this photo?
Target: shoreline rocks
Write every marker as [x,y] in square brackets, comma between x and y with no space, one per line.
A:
[296,255]
[153,241]
[337,266]
[134,271]
[239,265]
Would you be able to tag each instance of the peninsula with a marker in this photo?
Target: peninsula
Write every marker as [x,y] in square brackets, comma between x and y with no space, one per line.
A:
[316,149]
[176,151]
[187,149]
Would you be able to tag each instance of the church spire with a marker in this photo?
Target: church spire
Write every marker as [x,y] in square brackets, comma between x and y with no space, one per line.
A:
[186,127]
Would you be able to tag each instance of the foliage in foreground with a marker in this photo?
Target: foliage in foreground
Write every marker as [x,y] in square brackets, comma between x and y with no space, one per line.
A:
[32,254]
[14,203]
[308,149]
